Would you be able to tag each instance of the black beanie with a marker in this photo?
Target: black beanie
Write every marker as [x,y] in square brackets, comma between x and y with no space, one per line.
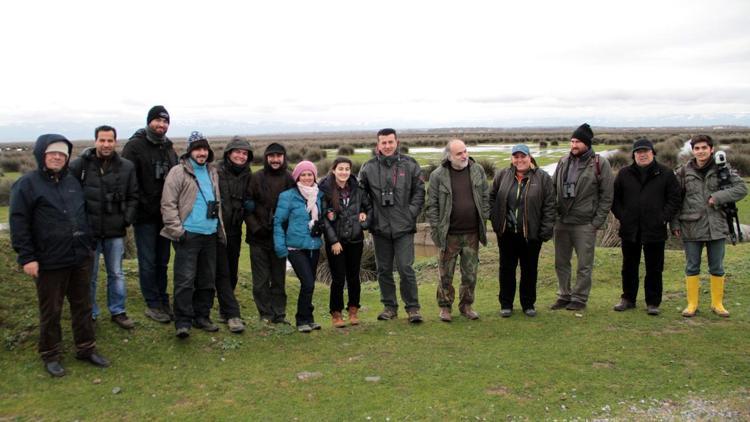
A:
[275,148]
[156,112]
[584,134]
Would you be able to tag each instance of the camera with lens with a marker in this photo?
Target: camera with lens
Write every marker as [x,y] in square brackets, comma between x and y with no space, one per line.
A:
[386,198]
[212,209]
[161,168]
[730,208]
[569,190]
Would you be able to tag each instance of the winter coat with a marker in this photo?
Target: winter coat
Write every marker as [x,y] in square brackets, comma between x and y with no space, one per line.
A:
[696,220]
[180,192]
[264,189]
[593,192]
[149,157]
[233,188]
[48,222]
[111,192]
[537,202]
[440,201]
[402,176]
[345,227]
[646,207]
[291,223]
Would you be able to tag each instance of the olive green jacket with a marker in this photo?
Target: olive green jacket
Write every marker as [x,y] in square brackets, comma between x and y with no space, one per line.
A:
[594,193]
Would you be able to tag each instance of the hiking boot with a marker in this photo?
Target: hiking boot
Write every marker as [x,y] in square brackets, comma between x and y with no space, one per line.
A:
[506,313]
[624,305]
[157,314]
[652,310]
[54,368]
[469,313]
[235,325]
[205,324]
[353,319]
[95,359]
[559,304]
[576,306]
[445,314]
[168,310]
[388,314]
[531,312]
[182,332]
[414,316]
[123,321]
[304,328]
[337,320]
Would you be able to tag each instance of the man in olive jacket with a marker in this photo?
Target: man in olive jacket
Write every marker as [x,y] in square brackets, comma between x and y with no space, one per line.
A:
[584,190]
[647,197]
[395,187]
[457,210]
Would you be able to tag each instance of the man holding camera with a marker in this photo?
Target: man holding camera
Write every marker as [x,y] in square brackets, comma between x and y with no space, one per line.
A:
[191,210]
[709,186]
[111,190]
[153,155]
[395,187]
[584,189]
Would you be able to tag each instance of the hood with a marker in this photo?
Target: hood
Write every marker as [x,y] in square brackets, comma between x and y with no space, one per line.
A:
[238,143]
[43,142]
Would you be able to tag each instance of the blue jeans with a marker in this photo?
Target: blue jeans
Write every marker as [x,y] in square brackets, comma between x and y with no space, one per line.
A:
[153,260]
[113,250]
[305,265]
[715,251]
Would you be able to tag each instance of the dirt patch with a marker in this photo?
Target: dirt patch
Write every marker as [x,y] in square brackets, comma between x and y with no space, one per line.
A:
[499,390]
[603,365]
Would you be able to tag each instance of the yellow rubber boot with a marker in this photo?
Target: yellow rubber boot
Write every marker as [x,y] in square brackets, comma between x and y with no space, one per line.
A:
[717,296]
[692,285]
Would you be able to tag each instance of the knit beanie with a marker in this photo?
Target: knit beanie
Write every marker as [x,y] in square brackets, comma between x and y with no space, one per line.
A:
[59,146]
[302,167]
[584,134]
[156,112]
[197,140]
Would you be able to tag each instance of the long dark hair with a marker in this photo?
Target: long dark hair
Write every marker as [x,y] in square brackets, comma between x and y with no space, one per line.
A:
[335,190]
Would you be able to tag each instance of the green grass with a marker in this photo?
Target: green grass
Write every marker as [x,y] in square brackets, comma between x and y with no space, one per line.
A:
[516,368]
[743,207]
[4,214]
[12,175]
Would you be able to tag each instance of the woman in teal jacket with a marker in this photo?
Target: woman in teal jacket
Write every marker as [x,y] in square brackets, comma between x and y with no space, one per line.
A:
[296,236]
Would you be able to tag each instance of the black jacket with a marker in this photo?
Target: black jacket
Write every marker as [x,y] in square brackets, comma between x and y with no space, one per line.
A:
[537,203]
[111,192]
[646,207]
[152,160]
[264,188]
[48,221]
[233,187]
[345,226]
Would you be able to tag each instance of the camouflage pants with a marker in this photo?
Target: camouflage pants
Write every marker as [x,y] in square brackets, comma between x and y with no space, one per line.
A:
[467,247]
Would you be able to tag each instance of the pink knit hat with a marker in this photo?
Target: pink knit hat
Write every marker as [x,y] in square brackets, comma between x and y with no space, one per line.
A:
[304,166]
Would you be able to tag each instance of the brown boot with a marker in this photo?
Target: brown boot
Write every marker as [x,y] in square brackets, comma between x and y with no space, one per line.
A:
[353,315]
[337,320]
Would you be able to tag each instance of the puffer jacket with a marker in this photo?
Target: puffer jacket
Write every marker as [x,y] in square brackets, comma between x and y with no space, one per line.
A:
[646,207]
[402,175]
[538,203]
[48,222]
[147,154]
[111,192]
[440,201]
[696,220]
[345,226]
[290,223]
[178,198]
[593,193]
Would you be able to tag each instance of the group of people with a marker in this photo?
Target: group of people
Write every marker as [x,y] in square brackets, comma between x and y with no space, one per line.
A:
[69,212]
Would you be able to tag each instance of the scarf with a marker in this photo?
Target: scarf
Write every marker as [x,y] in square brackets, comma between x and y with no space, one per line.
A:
[310,194]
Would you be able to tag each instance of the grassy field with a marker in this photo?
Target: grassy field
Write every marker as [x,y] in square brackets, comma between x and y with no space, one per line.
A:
[560,365]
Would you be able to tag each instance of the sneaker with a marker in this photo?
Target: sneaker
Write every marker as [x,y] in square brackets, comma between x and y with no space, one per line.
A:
[388,314]
[157,314]
[559,304]
[445,314]
[470,313]
[235,325]
[168,310]
[314,325]
[182,332]
[531,312]
[576,306]
[281,320]
[304,328]
[205,324]
[414,316]
[123,321]
[652,310]
[506,313]
[624,305]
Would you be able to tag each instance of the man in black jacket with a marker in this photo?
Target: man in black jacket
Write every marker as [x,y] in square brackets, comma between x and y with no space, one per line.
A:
[153,155]
[111,192]
[646,197]
[49,231]
[269,271]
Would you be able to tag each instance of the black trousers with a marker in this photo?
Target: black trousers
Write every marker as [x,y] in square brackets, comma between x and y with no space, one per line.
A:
[653,253]
[52,287]
[514,249]
[269,282]
[345,271]
[305,265]
[194,275]
[227,265]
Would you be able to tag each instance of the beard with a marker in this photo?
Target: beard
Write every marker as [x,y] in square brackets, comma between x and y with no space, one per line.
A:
[458,164]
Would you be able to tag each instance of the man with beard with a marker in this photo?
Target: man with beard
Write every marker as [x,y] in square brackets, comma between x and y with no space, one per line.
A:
[153,155]
[269,271]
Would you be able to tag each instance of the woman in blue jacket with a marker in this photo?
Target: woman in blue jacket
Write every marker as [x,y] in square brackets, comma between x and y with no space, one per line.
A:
[296,236]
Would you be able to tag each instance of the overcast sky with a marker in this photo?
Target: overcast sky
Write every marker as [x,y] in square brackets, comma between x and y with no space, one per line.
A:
[226,67]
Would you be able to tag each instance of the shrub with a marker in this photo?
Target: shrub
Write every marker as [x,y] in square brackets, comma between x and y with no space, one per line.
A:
[619,160]
[554,143]
[542,144]
[403,148]
[5,186]
[10,164]
[489,167]
[313,153]
[346,150]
